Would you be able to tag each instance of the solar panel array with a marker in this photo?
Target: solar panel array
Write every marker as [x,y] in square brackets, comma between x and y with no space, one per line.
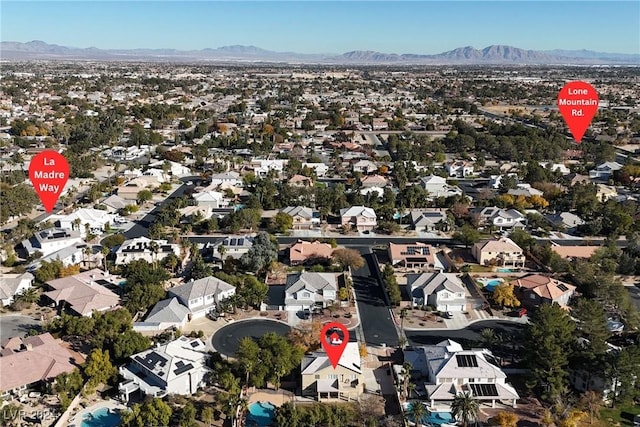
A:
[483,390]
[563,287]
[416,250]
[181,367]
[152,360]
[467,360]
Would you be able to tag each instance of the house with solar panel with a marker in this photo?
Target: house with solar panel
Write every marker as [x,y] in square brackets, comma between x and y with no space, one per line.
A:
[443,371]
[177,367]
[146,249]
[231,246]
[414,255]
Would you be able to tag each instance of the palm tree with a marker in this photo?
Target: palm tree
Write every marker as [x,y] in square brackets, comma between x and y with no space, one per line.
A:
[86,252]
[465,408]
[406,377]
[403,315]
[75,224]
[105,251]
[417,411]
[28,296]
[411,387]
[154,247]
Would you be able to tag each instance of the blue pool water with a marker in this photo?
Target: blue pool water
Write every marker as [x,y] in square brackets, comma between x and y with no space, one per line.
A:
[260,414]
[506,270]
[491,284]
[101,417]
[432,418]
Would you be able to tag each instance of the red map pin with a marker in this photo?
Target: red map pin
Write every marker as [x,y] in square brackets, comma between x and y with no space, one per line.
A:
[332,342]
[49,172]
[578,104]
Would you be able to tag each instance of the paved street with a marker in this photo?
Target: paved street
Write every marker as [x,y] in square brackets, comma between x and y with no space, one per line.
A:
[17,326]
[375,316]
[227,339]
[634,293]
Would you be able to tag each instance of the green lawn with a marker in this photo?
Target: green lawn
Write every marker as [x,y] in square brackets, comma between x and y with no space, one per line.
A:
[611,417]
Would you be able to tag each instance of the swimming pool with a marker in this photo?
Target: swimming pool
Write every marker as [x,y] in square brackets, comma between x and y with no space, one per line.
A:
[101,417]
[506,270]
[260,414]
[490,284]
[430,418]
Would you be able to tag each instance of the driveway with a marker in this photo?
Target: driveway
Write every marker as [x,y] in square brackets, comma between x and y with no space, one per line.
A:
[227,339]
[17,326]
[375,316]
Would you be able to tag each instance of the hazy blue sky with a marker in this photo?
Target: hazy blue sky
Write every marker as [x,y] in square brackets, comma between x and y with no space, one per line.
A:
[327,27]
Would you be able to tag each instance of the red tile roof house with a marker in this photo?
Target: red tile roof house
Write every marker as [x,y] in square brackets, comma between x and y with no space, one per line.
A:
[537,289]
[25,362]
[303,252]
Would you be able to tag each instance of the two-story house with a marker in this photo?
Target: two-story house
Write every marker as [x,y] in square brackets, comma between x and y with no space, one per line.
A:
[307,290]
[304,218]
[361,218]
[211,199]
[429,220]
[323,382]
[202,296]
[443,291]
[437,186]
[501,252]
[231,247]
[177,367]
[50,240]
[320,168]
[145,249]
[450,370]
[605,170]
[503,219]
[227,178]
[536,289]
[412,255]
[85,219]
[459,168]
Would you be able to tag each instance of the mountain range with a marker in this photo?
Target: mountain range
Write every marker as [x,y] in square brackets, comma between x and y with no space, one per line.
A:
[491,55]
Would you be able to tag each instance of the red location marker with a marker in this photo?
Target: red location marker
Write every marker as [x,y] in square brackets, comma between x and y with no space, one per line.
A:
[49,172]
[332,343]
[578,104]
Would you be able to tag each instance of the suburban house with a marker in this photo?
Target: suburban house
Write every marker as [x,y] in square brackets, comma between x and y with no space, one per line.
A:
[574,252]
[324,383]
[604,171]
[503,252]
[306,290]
[261,167]
[85,292]
[437,186]
[129,190]
[536,289]
[303,218]
[114,203]
[459,168]
[27,362]
[525,190]
[503,219]
[203,295]
[51,240]
[374,181]
[232,247]
[12,285]
[365,166]
[450,370]
[320,168]
[429,220]
[442,291]
[146,249]
[211,199]
[228,178]
[168,313]
[303,252]
[79,253]
[177,367]
[361,218]
[412,255]
[300,181]
[566,221]
[606,192]
[93,220]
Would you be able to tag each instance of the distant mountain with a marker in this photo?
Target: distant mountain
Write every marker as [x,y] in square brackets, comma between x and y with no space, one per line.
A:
[495,54]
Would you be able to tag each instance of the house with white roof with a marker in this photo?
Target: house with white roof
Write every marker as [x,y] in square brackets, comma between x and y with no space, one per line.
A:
[212,199]
[320,168]
[459,169]
[94,219]
[177,367]
[604,171]
[503,219]
[365,166]
[51,240]
[450,370]
[114,203]
[12,285]
[429,220]
[203,295]
[568,221]
[229,178]
[231,246]
[261,167]
[437,186]
[361,218]
[146,249]
[443,291]
[525,190]
[323,382]
[308,289]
